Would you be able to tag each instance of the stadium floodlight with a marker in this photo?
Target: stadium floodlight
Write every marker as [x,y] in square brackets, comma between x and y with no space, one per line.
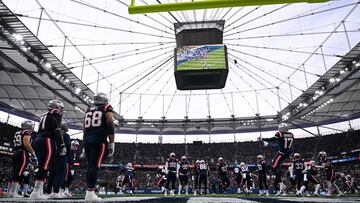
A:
[332,80]
[77,90]
[342,72]
[47,65]
[337,79]
[66,81]
[17,37]
[207,4]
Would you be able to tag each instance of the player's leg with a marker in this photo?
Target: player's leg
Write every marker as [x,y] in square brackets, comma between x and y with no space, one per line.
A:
[186,182]
[180,184]
[19,164]
[132,184]
[205,184]
[68,180]
[95,153]
[261,186]
[316,183]
[50,180]
[60,170]
[173,181]
[45,151]
[196,184]
[275,169]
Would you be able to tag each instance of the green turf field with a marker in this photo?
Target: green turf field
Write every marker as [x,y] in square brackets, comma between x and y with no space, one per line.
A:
[215,60]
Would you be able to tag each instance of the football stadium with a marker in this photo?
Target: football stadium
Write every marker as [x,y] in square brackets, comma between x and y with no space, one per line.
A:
[180,101]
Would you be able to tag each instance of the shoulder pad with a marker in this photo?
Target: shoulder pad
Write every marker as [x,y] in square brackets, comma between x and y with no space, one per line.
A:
[26,132]
[108,107]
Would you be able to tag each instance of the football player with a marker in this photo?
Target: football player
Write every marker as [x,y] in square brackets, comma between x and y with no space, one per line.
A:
[262,175]
[326,164]
[171,168]
[161,174]
[22,148]
[297,172]
[238,178]
[222,168]
[196,176]
[204,172]
[49,135]
[285,141]
[69,175]
[129,178]
[57,171]
[98,127]
[183,174]
[246,177]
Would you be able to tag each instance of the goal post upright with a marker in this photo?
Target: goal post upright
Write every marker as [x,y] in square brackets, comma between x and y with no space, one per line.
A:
[207,4]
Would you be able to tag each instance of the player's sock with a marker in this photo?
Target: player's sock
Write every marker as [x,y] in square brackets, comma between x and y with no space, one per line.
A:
[338,190]
[329,187]
[38,186]
[38,190]
[267,192]
[317,187]
[302,189]
[180,187]
[187,189]
[166,191]
[172,192]
[9,191]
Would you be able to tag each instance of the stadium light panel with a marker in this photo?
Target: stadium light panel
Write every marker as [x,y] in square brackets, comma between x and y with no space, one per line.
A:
[77,90]
[17,37]
[47,65]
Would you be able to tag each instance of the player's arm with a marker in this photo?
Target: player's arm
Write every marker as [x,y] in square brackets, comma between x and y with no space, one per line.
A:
[177,168]
[166,167]
[291,170]
[58,134]
[27,144]
[111,132]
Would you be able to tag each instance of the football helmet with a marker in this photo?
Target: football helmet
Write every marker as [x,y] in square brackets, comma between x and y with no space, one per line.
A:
[74,144]
[297,156]
[202,161]
[183,158]
[242,164]
[322,154]
[260,157]
[220,159]
[129,165]
[27,125]
[100,98]
[172,155]
[197,161]
[56,104]
[283,127]
[312,163]
[64,127]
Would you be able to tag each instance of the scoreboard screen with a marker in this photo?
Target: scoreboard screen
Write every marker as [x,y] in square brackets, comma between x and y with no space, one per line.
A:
[201,57]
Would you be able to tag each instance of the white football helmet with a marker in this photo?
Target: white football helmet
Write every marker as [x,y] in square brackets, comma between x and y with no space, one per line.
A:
[283,127]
